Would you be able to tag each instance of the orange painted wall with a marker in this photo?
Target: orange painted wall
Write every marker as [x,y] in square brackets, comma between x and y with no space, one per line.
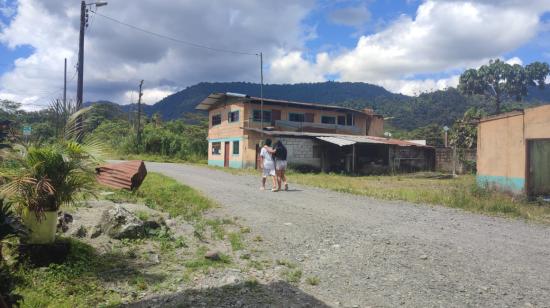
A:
[501,147]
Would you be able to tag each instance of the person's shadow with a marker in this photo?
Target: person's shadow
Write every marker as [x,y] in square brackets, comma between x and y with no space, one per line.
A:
[246,294]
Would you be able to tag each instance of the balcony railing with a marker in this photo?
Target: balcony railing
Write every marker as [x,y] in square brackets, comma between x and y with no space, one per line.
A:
[285,125]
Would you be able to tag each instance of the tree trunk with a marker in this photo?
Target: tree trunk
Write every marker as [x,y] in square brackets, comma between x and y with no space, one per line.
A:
[497,103]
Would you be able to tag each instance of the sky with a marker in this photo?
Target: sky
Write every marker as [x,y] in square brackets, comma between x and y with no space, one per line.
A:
[406,46]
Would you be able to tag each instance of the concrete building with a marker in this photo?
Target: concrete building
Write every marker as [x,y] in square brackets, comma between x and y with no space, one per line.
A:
[329,138]
[513,151]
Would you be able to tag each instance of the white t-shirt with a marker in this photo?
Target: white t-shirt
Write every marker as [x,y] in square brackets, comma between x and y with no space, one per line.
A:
[268,159]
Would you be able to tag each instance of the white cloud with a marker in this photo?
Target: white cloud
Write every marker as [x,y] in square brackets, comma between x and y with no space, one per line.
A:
[514,60]
[117,57]
[150,95]
[443,37]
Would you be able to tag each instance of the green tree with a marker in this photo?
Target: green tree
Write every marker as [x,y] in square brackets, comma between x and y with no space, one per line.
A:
[8,109]
[501,81]
[464,131]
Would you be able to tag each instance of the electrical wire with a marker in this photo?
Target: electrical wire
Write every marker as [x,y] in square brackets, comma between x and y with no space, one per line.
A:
[166,37]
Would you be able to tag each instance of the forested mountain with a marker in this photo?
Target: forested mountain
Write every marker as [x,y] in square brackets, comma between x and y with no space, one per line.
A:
[440,107]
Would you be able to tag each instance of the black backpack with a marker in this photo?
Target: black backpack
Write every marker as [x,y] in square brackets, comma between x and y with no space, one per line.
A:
[280,151]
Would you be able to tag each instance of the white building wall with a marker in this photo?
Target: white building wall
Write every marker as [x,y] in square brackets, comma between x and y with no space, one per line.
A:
[300,151]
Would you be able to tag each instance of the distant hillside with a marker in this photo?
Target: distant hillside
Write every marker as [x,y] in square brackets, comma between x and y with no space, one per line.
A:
[440,107]
[184,101]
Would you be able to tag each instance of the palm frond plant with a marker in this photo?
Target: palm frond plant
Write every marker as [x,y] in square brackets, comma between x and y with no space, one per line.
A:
[47,177]
[10,225]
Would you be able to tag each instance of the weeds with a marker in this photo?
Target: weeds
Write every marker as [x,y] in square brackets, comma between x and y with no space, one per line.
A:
[461,192]
[313,280]
[293,276]
[166,194]
[285,263]
[217,228]
[236,241]
[77,281]
[142,215]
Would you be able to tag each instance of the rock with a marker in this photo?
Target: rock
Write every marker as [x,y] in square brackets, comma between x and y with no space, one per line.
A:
[154,222]
[81,232]
[423,257]
[95,232]
[212,255]
[63,221]
[117,222]
[231,280]
[154,258]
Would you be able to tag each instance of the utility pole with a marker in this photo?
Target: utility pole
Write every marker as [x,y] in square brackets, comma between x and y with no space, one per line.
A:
[139,116]
[262,92]
[80,82]
[65,87]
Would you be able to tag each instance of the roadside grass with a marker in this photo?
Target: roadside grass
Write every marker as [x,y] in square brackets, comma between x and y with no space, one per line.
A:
[200,263]
[236,241]
[461,192]
[313,280]
[293,276]
[78,282]
[166,194]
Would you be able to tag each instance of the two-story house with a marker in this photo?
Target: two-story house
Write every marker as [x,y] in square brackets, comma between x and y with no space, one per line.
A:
[329,138]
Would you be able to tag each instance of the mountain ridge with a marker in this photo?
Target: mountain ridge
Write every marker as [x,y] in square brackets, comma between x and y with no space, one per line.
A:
[441,107]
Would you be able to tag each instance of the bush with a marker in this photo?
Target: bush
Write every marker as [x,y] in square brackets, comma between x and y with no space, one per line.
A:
[174,139]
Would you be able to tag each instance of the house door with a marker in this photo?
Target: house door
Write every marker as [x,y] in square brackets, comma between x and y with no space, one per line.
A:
[226,155]
[539,167]
[275,116]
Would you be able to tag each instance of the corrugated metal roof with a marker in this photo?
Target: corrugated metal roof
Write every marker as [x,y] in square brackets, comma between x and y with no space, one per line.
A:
[338,141]
[218,98]
[128,175]
[348,138]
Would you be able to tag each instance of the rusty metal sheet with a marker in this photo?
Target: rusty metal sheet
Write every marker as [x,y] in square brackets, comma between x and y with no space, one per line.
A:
[126,175]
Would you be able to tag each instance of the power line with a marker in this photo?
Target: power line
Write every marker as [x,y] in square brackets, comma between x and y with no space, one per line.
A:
[166,37]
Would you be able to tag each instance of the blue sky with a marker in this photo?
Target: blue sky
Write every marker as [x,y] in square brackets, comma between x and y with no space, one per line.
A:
[407,46]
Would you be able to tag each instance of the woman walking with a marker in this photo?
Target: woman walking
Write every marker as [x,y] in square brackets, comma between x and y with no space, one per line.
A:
[280,164]
[267,164]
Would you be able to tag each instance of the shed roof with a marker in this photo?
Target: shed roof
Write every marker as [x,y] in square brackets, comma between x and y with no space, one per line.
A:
[215,99]
[340,139]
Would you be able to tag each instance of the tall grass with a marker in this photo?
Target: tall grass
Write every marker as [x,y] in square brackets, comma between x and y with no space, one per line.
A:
[461,192]
[166,194]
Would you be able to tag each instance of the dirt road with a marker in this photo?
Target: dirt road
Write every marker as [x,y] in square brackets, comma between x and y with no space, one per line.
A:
[369,252]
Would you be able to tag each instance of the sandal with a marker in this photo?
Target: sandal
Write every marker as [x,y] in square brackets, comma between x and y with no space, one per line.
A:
[286,186]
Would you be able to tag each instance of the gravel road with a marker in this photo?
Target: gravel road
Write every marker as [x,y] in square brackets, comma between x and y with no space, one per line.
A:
[369,252]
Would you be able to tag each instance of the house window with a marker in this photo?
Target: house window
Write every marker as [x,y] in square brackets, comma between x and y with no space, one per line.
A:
[256,115]
[341,120]
[233,116]
[216,148]
[349,119]
[296,117]
[328,120]
[235,148]
[216,119]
